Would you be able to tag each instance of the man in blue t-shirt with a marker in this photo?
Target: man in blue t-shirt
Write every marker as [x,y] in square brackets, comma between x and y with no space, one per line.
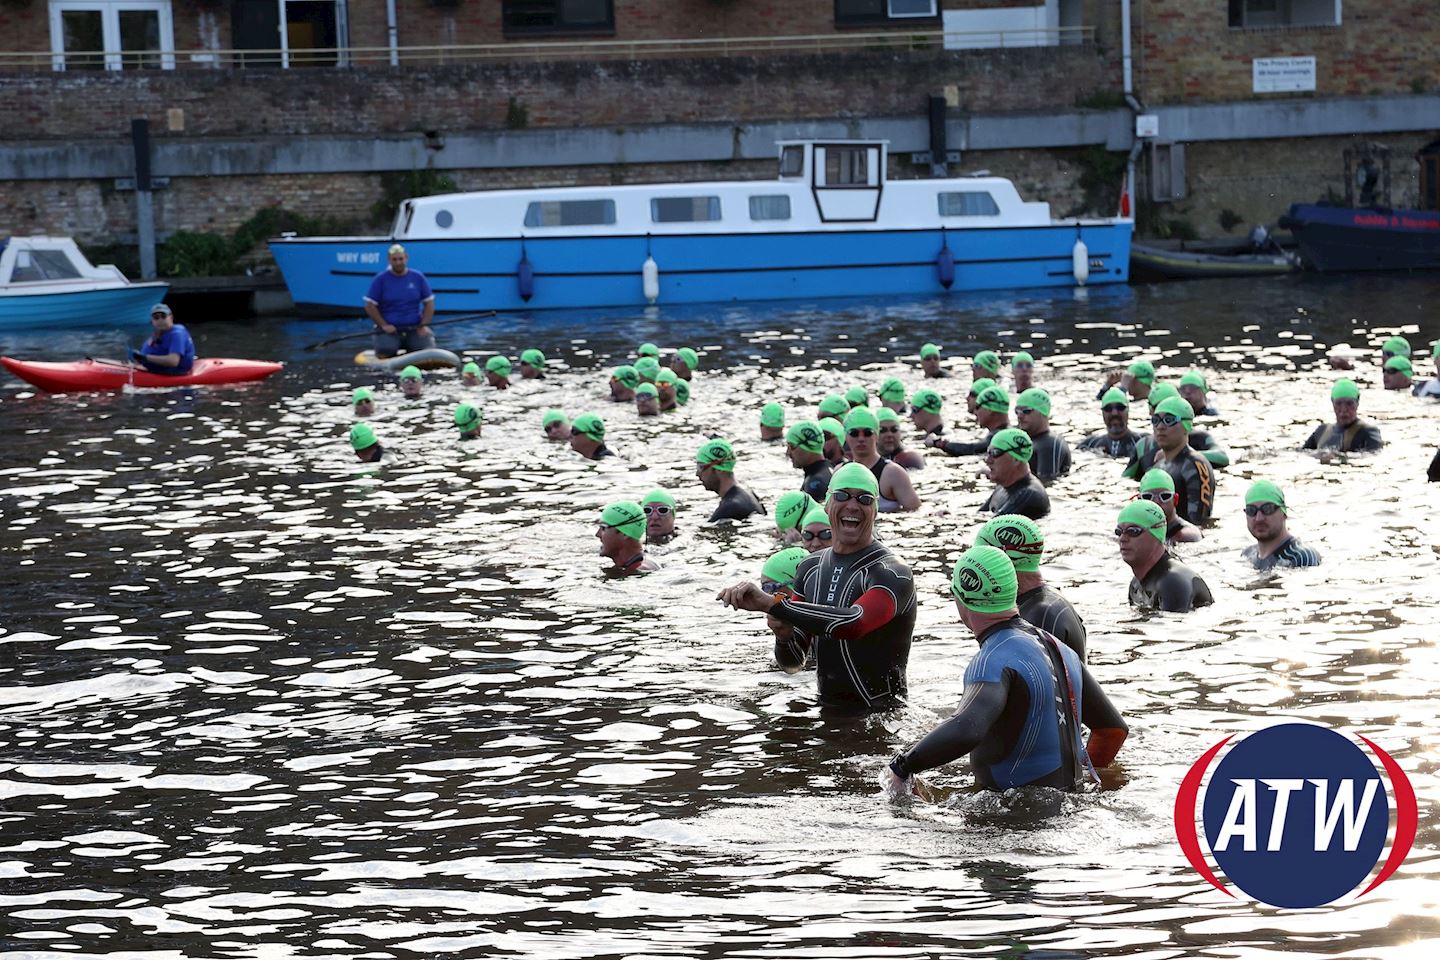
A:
[400,304]
[169,351]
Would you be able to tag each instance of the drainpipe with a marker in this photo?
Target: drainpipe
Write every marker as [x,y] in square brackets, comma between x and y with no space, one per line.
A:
[394,34]
[1135,105]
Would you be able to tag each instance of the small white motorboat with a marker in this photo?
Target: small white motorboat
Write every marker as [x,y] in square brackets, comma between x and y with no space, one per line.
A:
[46,283]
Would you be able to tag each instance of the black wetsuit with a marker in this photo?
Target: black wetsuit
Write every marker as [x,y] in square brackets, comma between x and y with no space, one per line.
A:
[1047,610]
[1359,437]
[1174,527]
[737,504]
[1433,473]
[1026,497]
[817,480]
[1171,586]
[604,451]
[1194,478]
[1113,446]
[960,448]
[855,614]
[1292,553]
[1051,458]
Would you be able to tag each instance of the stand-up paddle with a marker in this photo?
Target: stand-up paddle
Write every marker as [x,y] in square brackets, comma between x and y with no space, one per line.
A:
[438,323]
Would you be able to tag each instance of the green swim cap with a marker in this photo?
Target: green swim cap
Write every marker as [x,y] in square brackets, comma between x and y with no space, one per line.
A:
[984,580]
[1401,363]
[362,436]
[834,405]
[361,393]
[667,376]
[1114,395]
[1036,399]
[689,357]
[533,358]
[1146,515]
[857,396]
[628,376]
[1263,491]
[682,392]
[411,372]
[886,415]
[994,398]
[1157,479]
[716,453]
[589,425]
[1435,349]
[818,515]
[648,368]
[470,368]
[834,428]
[791,508]
[772,415]
[467,416]
[980,386]
[861,419]
[1160,393]
[806,435]
[927,400]
[625,516]
[853,476]
[1142,370]
[988,360]
[552,416]
[648,350]
[1396,345]
[1022,357]
[1018,536]
[658,496]
[500,366]
[1344,389]
[647,390]
[1176,406]
[892,390]
[1015,442]
[1194,378]
[929,350]
[781,566]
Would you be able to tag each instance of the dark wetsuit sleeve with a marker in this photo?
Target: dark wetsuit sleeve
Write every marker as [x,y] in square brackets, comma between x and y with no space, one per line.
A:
[958,448]
[1199,489]
[792,651]
[1313,443]
[979,710]
[1175,593]
[1367,440]
[1132,467]
[873,609]
[1433,474]
[1107,728]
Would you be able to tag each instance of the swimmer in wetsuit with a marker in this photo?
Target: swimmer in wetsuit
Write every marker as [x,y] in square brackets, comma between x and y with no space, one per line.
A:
[587,437]
[1430,388]
[1193,475]
[1040,606]
[1026,698]
[1051,458]
[896,491]
[805,447]
[1201,440]
[412,383]
[623,381]
[892,395]
[365,444]
[891,443]
[791,508]
[834,406]
[985,366]
[930,362]
[1017,490]
[468,420]
[772,421]
[685,362]
[925,414]
[1160,581]
[1158,487]
[362,402]
[555,425]
[659,509]
[1118,440]
[1397,374]
[715,469]
[1195,390]
[497,372]
[1348,434]
[532,365]
[853,610]
[470,374]
[1266,517]
[1022,371]
[620,530]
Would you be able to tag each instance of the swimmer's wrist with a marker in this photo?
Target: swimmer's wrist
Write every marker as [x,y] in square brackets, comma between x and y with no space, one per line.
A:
[900,767]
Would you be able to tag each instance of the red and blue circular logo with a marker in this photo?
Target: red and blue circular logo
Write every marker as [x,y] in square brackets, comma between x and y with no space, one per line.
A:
[1296,815]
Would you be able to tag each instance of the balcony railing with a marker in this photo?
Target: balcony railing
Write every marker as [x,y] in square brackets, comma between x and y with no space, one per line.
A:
[424,56]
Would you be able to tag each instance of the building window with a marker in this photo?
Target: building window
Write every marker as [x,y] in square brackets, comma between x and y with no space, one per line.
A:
[968,203]
[314,32]
[112,35]
[873,12]
[684,209]
[570,213]
[558,16]
[774,206]
[1285,13]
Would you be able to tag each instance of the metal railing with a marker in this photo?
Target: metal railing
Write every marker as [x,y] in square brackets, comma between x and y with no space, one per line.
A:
[531,50]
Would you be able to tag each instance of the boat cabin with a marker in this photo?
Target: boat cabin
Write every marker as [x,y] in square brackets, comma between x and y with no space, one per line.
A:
[49,260]
[846,177]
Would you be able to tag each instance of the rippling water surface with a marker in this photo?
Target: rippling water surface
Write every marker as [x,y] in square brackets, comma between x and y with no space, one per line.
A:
[257,699]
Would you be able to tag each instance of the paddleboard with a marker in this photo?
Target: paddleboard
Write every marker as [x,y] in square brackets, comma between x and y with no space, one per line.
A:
[433,359]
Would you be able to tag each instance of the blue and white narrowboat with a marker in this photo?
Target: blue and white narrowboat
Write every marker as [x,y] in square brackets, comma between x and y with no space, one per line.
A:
[832,225]
[46,283]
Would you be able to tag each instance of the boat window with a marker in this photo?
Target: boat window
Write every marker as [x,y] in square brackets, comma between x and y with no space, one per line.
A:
[684,209]
[570,213]
[32,266]
[792,161]
[846,166]
[774,206]
[444,219]
[25,270]
[968,203]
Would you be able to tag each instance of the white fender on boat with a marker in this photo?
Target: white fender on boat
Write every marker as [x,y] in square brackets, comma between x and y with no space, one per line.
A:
[650,280]
[1080,261]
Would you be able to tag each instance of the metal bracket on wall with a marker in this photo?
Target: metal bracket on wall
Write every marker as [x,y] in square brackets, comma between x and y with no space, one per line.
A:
[922,158]
[128,183]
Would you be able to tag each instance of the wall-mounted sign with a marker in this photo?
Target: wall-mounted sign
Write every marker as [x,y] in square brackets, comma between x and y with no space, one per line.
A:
[1283,74]
[1147,125]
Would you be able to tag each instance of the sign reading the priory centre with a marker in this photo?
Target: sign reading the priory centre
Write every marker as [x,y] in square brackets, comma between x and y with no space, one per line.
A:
[1283,74]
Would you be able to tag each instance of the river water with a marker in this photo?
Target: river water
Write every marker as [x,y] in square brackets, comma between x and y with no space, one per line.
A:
[258,700]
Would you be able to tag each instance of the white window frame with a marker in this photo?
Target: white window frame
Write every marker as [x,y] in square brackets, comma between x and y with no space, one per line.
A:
[890,11]
[110,28]
[342,33]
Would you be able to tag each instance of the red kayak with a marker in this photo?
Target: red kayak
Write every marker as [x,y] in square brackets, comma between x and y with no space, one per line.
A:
[87,375]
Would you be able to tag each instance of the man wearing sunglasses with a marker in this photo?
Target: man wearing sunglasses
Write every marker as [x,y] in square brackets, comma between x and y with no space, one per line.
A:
[896,490]
[1348,434]
[815,532]
[1193,474]
[659,509]
[715,469]
[1051,458]
[891,442]
[1022,370]
[805,446]
[1118,440]
[1026,698]
[930,362]
[1195,390]
[1039,604]
[1265,517]
[1017,490]
[1158,487]
[621,526]
[169,351]
[1160,581]
[587,437]
[555,425]
[853,608]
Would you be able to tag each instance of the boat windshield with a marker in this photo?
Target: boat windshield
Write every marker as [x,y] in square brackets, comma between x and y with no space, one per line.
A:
[33,266]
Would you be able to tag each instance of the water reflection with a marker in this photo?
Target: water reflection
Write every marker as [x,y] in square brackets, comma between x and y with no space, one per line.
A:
[259,698]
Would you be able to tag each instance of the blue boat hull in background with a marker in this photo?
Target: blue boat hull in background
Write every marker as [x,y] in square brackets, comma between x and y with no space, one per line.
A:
[127,306]
[331,275]
[1341,239]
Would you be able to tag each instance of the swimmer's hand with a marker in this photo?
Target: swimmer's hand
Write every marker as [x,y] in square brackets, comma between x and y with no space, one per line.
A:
[745,596]
[898,788]
[1113,377]
[1325,456]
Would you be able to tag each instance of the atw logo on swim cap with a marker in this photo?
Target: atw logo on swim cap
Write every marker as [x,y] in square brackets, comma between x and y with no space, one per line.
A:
[1296,815]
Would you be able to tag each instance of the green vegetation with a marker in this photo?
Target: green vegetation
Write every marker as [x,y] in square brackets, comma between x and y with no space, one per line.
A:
[1100,174]
[1229,219]
[517,116]
[1150,221]
[397,186]
[1100,100]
